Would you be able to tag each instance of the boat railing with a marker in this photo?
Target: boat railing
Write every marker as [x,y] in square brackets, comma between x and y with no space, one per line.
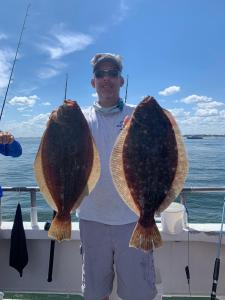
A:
[34,189]
[33,202]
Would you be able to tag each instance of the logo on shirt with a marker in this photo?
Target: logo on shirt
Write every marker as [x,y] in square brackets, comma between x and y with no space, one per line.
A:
[120,125]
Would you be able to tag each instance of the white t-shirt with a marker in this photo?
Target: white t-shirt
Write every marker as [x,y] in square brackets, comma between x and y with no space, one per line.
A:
[104,204]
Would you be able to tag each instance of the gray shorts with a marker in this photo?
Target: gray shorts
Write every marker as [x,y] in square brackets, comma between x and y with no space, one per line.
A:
[105,248]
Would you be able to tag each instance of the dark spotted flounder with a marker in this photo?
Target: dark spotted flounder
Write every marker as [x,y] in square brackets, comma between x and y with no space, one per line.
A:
[149,167]
[67,165]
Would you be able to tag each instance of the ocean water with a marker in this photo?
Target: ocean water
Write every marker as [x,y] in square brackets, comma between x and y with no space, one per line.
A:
[206,169]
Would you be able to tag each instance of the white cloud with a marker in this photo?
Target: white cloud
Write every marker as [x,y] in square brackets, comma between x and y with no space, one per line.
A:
[27,90]
[222,114]
[202,124]
[170,90]
[6,57]
[98,29]
[32,127]
[122,12]
[196,99]
[65,43]
[179,113]
[48,73]
[23,108]
[199,122]
[26,115]
[46,103]
[95,95]
[40,119]
[23,101]
[3,36]
[209,105]
[51,70]
[206,116]
[206,112]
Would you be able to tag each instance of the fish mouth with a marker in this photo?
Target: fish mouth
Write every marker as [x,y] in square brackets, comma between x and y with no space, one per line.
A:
[69,102]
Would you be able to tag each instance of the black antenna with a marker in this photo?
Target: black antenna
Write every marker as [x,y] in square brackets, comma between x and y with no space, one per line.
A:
[187,271]
[125,99]
[188,256]
[66,86]
[217,260]
[14,62]
[51,252]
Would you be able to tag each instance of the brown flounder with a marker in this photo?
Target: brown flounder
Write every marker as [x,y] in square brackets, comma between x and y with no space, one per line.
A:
[67,165]
[149,166]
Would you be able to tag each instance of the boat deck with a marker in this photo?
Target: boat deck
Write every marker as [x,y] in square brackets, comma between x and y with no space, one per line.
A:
[193,244]
[37,296]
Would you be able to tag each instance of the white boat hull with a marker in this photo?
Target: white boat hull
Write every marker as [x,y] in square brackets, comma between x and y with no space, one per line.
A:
[170,262]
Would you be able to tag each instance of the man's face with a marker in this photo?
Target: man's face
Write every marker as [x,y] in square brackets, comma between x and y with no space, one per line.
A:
[107,84]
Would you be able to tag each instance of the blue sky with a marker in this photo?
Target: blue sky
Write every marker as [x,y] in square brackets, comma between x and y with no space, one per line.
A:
[173,50]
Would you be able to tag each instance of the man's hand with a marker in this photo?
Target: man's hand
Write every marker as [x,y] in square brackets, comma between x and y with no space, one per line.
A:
[6,137]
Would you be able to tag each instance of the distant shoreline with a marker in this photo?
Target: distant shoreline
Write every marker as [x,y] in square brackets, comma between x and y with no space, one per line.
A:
[184,135]
[205,135]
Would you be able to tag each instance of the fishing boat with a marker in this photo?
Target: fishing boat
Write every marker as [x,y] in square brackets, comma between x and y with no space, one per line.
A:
[194,137]
[185,245]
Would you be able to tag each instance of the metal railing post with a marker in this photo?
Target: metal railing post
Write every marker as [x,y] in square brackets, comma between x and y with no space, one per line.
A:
[0,212]
[33,210]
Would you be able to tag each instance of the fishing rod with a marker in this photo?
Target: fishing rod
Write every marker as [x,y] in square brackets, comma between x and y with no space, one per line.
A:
[125,99]
[52,244]
[66,86]
[14,61]
[217,260]
[52,252]
[187,271]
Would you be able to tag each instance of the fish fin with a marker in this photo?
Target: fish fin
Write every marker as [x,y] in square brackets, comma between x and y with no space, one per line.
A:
[60,228]
[117,170]
[39,174]
[182,167]
[93,178]
[145,238]
[96,169]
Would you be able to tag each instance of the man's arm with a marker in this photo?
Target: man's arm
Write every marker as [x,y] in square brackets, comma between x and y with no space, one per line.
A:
[8,146]
[14,149]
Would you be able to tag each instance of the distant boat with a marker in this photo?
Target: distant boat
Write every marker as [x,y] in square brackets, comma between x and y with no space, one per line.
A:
[194,137]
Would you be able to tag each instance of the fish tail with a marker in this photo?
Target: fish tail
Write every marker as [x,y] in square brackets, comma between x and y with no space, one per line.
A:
[145,238]
[60,228]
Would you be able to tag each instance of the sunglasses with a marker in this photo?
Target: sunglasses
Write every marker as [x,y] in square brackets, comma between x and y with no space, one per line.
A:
[110,73]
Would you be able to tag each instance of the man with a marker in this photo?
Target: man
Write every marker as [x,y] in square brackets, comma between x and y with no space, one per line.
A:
[106,223]
[8,145]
